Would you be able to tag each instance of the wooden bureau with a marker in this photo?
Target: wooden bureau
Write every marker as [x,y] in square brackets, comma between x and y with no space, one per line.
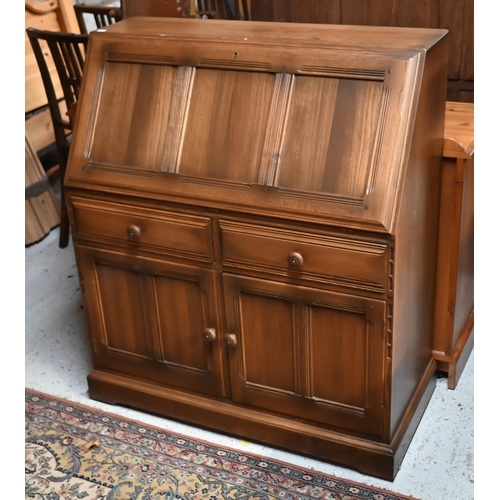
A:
[255,212]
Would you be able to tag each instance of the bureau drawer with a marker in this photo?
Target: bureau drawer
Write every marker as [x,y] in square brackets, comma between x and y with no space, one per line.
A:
[354,263]
[178,234]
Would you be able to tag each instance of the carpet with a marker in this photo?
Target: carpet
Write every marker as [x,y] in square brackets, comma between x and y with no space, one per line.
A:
[77,452]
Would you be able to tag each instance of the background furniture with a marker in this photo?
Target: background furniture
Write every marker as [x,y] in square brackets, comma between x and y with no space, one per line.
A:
[254,214]
[68,55]
[92,17]
[454,322]
[48,15]
[53,15]
[212,9]
[158,8]
[457,16]
[41,211]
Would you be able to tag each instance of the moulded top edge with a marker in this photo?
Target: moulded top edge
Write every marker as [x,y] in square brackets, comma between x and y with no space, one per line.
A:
[290,34]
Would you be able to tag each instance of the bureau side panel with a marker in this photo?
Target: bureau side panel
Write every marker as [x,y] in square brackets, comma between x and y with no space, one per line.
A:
[465,275]
[416,241]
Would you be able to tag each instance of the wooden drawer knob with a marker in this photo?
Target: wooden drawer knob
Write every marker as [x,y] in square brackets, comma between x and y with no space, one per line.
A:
[230,339]
[210,334]
[134,232]
[295,259]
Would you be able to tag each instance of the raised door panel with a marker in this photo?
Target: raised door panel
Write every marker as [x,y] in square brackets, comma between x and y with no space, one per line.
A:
[330,137]
[308,353]
[229,131]
[148,318]
[132,116]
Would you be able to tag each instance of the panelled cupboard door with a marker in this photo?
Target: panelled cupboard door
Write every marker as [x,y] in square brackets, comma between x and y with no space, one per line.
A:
[153,319]
[309,353]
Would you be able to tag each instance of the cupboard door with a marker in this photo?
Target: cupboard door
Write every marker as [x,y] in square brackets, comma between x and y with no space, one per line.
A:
[310,353]
[153,319]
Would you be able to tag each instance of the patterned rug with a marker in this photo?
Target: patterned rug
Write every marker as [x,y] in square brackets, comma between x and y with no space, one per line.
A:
[76,452]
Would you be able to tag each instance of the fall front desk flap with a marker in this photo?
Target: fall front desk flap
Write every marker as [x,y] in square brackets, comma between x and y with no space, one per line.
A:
[313,121]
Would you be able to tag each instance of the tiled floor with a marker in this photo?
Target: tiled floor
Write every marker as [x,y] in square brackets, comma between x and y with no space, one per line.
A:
[439,464]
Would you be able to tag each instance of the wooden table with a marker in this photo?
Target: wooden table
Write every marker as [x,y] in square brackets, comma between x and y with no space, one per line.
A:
[454,321]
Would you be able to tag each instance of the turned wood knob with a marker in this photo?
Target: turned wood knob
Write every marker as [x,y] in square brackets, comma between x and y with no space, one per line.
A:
[134,232]
[295,259]
[209,334]
[230,339]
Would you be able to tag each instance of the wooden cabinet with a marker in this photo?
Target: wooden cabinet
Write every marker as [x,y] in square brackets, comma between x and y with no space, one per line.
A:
[321,358]
[145,309]
[454,320]
[254,209]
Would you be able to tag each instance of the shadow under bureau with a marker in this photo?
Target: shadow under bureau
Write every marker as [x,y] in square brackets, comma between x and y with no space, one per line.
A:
[255,209]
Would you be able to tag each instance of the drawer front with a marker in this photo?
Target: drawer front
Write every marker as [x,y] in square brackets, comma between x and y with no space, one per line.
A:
[335,260]
[177,234]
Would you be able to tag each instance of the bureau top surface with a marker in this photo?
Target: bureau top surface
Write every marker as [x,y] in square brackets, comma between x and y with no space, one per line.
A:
[364,38]
[459,130]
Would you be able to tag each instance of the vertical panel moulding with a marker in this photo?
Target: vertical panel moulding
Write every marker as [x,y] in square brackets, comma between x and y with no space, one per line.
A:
[275,127]
[303,351]
[372,171]
[94,284]
[370,316]
[238,328]
[96,98]
[177,119]
[149,286]
[408,106]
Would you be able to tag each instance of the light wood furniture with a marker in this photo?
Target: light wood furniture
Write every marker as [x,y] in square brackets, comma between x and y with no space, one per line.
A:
[52,15]
[49,15]
[41,210]
[254,213]
[454,321]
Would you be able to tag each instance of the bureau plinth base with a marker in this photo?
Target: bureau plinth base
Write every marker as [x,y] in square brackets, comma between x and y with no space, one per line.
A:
[368,457]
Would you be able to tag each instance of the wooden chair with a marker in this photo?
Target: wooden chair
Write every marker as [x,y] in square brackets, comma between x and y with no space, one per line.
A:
[207,9]
[158,8]
[241,10]
[224,9]
[103,16]
[212,9]
[68,53]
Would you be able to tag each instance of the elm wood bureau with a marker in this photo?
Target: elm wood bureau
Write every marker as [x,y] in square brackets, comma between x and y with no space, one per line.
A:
[454,320]
[255,211]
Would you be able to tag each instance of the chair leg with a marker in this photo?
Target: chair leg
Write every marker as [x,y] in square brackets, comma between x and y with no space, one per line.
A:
[64,228]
